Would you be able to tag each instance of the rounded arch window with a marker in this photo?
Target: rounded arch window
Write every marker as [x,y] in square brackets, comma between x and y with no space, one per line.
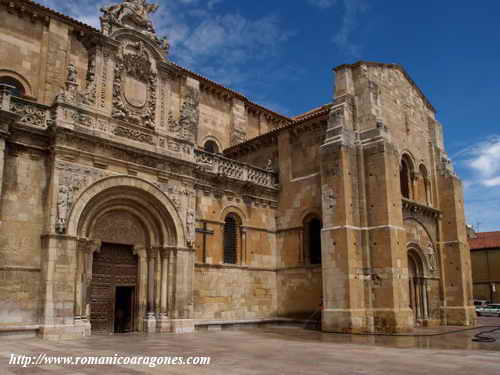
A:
[232,242]
[211,146]
[406,176]
[18,88]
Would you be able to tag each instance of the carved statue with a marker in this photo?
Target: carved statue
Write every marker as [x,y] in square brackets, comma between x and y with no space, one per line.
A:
[188,121]
[269,165]
[72,73]
[63,206]
[137,11]
[190,227]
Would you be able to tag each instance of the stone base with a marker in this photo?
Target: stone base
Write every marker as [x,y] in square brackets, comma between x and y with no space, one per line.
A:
[344,321]
[460,316]
[150,324]
[393,321]
[164,325]
[65,332]
[366,321]
[432,323]
[182,325]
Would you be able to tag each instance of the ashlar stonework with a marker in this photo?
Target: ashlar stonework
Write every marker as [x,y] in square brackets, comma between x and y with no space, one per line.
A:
[137,195]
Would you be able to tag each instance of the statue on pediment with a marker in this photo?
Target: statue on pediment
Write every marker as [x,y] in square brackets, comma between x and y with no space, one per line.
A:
[132,14]
[135,11]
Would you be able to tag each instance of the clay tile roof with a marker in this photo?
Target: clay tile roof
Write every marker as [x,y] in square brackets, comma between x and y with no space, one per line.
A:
[36,6]
[485,240]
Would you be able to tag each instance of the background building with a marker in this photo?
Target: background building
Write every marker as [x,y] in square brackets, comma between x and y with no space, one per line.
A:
[485,255]
[138,195]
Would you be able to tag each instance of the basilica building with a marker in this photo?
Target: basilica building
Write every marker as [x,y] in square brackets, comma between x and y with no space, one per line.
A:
[137,195]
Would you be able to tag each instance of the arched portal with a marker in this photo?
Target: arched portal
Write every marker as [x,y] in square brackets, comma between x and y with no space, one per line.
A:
[123,280]
[416,283]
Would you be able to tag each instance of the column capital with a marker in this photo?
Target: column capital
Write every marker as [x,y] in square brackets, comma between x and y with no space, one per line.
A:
[89,246]
[140,251]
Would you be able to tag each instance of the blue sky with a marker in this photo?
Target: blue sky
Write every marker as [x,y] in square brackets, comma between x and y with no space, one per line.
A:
[280,54]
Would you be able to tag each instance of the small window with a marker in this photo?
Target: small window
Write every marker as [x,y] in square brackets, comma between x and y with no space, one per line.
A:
[18,89]
[231,239]
[211,146]
[312,240]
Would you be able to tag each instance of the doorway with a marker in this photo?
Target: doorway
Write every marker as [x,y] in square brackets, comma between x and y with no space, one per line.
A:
[124,309]
[113,289]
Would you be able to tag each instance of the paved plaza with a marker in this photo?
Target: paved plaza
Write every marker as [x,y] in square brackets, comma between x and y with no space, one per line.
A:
[275,350]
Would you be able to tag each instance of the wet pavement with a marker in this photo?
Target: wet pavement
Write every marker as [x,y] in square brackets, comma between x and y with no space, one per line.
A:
[276,350]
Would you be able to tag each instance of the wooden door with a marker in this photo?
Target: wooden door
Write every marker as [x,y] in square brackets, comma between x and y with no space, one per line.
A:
[114,265]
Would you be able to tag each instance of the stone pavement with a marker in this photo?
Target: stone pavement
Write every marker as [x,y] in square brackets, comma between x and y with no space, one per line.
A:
[277,350]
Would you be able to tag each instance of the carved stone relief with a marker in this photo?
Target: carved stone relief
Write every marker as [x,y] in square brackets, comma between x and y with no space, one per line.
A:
[187,126]
[134,87]
[119,227]
[72,180]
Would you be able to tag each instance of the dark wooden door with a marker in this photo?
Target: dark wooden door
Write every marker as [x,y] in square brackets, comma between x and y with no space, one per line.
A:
[114,266]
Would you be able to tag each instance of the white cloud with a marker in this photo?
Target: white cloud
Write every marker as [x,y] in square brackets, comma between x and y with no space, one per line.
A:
[484,160]
[343,38]
[322,3]
[480,164]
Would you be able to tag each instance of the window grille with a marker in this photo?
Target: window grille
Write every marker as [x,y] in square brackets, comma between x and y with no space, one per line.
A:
[230,240]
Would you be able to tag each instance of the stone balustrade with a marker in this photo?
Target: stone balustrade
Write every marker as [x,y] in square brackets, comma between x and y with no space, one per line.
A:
[222,166]
[30,113]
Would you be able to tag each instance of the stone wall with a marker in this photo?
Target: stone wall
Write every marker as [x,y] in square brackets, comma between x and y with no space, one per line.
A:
[22,223]
[233,293]
[299,292]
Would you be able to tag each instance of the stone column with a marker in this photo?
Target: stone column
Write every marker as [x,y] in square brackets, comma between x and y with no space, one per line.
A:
[150,316]
[142,289]
[157,282]
[164,322]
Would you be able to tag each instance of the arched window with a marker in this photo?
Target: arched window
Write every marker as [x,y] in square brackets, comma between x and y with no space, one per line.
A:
[211,146]
[18,89]
[231,238]
[406,173]
[312,240]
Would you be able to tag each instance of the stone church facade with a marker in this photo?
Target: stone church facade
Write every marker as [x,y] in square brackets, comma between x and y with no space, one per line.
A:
[137,195]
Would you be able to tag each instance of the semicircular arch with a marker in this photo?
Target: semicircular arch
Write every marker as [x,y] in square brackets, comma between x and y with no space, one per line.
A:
[141,199]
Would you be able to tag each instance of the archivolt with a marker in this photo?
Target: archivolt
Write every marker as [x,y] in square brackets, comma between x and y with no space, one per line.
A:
[146,203]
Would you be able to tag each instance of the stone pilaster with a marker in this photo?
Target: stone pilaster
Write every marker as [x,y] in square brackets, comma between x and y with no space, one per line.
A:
[343,285]
[59,266]
[386,267]
[183,268]
[458,307]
